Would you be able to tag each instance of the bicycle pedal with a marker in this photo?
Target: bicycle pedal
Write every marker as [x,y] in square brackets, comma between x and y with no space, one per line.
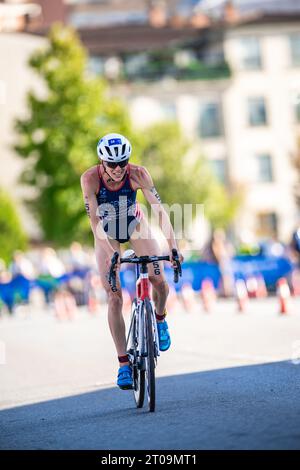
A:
[126,387]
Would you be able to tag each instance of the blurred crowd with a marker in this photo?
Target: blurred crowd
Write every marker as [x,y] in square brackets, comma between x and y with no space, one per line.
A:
[68,277]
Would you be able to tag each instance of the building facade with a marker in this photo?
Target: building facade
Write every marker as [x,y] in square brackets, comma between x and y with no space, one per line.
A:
[15,80]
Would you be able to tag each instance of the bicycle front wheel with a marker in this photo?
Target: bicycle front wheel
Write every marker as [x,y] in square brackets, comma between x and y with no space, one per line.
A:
[150,361]
[138,368]
[138,373]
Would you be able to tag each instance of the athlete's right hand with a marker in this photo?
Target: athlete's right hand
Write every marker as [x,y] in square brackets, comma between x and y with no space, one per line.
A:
[113,258]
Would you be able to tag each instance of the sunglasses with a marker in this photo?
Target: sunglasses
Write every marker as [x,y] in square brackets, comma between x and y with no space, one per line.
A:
[116,164]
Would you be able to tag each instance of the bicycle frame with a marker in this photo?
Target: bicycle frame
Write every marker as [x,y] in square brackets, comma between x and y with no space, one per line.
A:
[142,283]
[143,293]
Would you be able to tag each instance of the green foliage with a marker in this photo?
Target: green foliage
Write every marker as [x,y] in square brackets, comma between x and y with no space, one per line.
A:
[12,236]
[183,180]
[59,136]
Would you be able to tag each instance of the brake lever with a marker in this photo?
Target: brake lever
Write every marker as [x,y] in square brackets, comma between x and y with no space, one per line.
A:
[177,270]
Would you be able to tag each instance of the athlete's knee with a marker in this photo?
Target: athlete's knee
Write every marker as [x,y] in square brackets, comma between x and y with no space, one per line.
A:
[115,298]
[159,283]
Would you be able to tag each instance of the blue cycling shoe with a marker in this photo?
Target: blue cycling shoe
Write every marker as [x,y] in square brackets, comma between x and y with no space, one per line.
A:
[125,380]
[163,336]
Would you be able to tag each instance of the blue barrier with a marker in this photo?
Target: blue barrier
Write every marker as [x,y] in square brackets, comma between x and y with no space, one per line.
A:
[17,290]
[271,268]
[194,272]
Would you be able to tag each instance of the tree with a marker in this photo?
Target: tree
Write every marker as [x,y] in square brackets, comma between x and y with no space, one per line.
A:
[12,236]
[181,179]
[58,138]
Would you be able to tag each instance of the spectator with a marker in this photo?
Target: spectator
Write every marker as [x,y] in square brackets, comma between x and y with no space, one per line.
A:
[295,247]
[50,264]
[271,248]
[78,257]
[220,251]
[21,265]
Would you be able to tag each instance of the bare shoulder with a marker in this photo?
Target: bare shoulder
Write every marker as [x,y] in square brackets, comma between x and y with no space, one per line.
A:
[140,177]
[90,178]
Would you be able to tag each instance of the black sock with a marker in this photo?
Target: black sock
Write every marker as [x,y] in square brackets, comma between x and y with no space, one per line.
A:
[123,358]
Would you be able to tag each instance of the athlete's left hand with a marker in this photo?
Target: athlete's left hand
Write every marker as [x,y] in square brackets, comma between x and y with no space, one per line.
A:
[172,260]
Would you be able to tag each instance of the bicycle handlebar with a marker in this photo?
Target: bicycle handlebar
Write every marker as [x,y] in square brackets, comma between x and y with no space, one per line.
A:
[112,279]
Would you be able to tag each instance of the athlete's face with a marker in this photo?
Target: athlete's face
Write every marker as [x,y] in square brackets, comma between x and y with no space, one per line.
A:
[116,173]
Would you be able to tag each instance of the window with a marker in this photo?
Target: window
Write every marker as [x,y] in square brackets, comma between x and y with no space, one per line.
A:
[250,53]
[219,169]
[169,110]
[257,115]
[295,49]
[96,65]
[78,2]
[90,18]
[210,120]
[267,225]
[135,64]
[265,170]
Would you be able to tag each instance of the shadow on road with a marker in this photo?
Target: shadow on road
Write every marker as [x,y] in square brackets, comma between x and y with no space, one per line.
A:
[249,407]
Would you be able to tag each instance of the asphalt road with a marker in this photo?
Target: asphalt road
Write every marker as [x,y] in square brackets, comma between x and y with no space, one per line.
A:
[230,381]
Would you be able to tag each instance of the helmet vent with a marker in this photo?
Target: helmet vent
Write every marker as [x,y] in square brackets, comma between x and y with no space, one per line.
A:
[108,150]
[116,151]
[123,149]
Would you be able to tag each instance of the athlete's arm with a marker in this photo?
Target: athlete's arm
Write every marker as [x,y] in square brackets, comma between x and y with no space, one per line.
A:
[89,189]
[152,196]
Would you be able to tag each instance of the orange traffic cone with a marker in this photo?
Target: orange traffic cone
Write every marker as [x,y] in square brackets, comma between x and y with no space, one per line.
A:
[241,295]
[188,296]
[252,286]
[208,294]
[261,287]
[126,301]
[172,301]
[284,294]
[296,282]
[92,305]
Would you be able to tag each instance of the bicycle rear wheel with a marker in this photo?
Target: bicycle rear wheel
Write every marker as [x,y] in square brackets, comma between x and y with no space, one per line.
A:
[139,386]
[150,362]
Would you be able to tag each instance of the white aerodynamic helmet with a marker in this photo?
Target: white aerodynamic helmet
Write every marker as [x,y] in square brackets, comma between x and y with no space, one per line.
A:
[114,148]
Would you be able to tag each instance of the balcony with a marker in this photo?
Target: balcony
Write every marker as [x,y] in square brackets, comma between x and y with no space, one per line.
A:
[154,71]
[180,64]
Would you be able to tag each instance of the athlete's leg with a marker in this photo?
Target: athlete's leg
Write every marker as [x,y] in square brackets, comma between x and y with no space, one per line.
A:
[115,300]
[146,244]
